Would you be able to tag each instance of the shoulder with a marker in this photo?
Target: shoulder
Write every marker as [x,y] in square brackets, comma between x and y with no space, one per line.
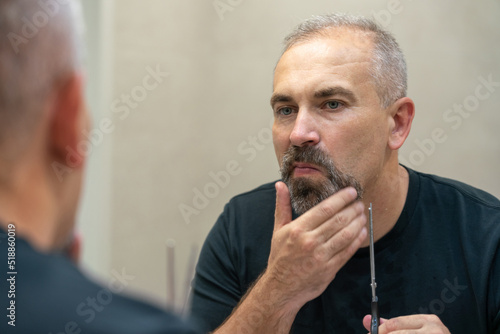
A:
[262,193]
[449,189]
[254,206]
[454,216]
[458,211]
[75,301]
[246,223]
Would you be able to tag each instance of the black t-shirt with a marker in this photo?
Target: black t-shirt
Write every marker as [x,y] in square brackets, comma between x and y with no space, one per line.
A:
[51,296]
[441,257]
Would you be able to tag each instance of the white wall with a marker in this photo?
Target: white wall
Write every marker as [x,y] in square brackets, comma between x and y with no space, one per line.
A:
[213,109]
[94,221]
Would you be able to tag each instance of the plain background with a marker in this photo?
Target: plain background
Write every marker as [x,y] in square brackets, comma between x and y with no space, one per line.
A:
[162,147]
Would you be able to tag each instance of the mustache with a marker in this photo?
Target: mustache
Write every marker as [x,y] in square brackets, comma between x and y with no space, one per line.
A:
[306,154]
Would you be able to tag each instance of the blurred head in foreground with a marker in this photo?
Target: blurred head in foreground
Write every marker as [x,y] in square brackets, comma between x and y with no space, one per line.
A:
[43,122]
[42,118]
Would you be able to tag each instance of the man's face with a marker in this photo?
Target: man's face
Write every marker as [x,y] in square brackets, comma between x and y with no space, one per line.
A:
[329,130]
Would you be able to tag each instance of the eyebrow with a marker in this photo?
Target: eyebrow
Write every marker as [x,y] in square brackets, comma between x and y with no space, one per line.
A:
[336,91]
[322,93]
[280,98]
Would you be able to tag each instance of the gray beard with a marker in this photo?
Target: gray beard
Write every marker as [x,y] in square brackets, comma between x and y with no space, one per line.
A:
[306,193]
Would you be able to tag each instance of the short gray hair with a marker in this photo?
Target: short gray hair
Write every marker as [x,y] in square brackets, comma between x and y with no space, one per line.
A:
[41,41]
[388,69]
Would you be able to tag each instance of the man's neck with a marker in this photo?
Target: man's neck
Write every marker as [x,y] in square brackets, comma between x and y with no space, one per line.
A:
[388,201]
[26,203]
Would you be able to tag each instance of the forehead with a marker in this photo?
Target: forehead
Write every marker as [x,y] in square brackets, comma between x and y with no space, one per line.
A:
[338,56]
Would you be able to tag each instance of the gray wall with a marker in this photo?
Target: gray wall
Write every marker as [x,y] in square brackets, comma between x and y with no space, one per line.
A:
[211,113]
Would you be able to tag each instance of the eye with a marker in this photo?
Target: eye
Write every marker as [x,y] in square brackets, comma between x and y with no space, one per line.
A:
[333,104]
[285,111]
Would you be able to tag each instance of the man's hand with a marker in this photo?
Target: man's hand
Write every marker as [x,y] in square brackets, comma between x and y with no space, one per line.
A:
[307,253]
[419,323]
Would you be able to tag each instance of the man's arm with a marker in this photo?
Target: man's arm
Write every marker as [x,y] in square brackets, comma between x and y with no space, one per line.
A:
[306,254]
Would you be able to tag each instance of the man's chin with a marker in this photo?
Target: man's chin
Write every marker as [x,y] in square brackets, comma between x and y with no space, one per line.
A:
[308,191]
[306,187]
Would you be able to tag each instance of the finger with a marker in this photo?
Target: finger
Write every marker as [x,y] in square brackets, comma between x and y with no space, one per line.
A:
[338,222]
[328,208]
[367,321]
[340,255]
[403,323]
[346,236]
[283,211]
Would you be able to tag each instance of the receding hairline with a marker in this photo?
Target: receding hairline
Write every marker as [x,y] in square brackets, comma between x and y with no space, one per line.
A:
[327,33]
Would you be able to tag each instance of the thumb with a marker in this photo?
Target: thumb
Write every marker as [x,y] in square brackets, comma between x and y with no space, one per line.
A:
[283,211]
[368,319]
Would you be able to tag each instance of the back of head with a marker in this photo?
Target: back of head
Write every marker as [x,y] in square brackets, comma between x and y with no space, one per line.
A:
[388,69]
[42,44]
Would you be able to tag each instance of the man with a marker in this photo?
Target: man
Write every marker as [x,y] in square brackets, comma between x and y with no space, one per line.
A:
[341,114]
[42,119]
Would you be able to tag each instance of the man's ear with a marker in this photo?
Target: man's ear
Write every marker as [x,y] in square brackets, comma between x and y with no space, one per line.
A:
[401,117]
[68,120]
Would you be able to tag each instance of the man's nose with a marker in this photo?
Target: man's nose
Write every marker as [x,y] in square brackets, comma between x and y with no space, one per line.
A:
[305,130]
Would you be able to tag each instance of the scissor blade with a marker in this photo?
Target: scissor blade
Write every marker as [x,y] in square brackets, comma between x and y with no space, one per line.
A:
[375,315]
[372,254]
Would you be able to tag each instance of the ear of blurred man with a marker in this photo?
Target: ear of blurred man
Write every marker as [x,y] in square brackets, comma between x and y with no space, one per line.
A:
[69,119]
[68,122]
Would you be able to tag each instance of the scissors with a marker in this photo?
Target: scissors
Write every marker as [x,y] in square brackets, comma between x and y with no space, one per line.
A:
[375,321]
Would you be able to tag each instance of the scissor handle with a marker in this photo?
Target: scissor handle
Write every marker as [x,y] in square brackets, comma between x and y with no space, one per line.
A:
[375,322]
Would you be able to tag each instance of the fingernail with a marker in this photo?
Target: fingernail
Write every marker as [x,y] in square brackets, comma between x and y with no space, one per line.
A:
[352,192]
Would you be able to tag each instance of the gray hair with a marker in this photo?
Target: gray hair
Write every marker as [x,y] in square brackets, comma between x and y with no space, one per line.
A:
[388,70]
[41,43]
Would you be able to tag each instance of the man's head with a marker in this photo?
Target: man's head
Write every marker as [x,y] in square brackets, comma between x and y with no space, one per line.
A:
[339,96]
[41,44]
[42,112]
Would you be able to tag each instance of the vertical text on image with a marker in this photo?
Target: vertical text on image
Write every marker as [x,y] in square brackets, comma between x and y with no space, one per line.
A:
[11,274]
